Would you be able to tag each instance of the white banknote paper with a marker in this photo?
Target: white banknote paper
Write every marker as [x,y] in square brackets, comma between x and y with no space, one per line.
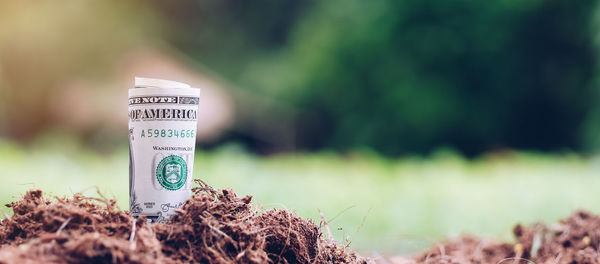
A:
[162,136]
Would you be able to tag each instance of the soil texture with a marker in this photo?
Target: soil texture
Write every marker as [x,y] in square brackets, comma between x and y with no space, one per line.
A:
[212,227]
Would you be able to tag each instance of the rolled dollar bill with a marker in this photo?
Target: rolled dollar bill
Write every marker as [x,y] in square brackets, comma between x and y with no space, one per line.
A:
[162,138]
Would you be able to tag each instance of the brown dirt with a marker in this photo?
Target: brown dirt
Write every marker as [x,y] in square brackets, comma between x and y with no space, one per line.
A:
[220,227]
[574,240]
[212,227]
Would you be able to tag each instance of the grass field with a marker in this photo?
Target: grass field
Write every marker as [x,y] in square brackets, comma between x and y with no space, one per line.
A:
[382,206]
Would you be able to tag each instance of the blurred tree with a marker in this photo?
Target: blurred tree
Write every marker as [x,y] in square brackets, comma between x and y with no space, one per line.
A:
[410,76]
[229,34]
[232,37]
[395,76]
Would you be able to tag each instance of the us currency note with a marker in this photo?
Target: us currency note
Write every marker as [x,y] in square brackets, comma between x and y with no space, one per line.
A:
[162,136]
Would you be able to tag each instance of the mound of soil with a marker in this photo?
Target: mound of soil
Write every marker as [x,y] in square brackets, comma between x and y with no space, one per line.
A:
[212,227]
[574,240]
[220,227]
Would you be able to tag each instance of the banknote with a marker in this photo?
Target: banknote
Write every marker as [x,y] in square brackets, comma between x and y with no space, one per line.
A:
[163,116]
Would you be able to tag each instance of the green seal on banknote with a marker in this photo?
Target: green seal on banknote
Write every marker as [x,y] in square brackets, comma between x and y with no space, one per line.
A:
[171,172]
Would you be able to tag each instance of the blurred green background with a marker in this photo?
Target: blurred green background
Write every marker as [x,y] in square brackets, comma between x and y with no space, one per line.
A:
[405,121]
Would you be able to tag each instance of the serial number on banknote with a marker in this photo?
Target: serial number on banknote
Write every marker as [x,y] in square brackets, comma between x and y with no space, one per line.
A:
[167,133]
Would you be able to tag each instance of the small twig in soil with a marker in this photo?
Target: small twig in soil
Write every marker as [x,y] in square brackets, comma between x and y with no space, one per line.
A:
[225,236]
[518,248]
[6,216]
[363,221]
[64,224]
[324,221]
[341,212]
[557,259]
[132,236]
[316,256]
[28,183]
[536,244]
[204,187]
[83,190]
[427,258]
[442,250]
[191,250]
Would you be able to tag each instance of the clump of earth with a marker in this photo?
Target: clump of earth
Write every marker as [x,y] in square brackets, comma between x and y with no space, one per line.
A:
[212,227]
[574,240]
[217,226]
